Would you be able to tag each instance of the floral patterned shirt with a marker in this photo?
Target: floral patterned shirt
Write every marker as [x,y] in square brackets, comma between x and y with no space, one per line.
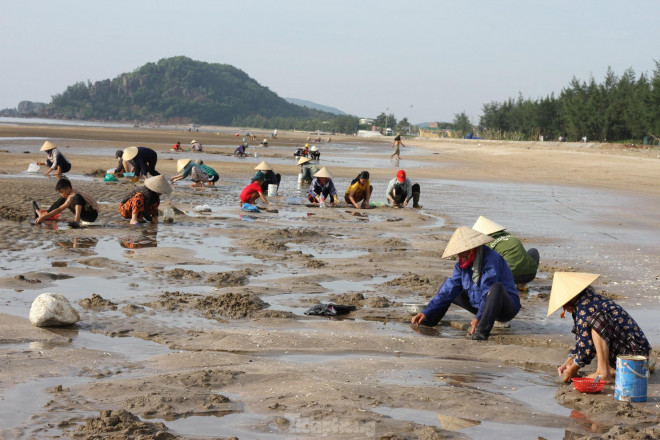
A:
[589,305]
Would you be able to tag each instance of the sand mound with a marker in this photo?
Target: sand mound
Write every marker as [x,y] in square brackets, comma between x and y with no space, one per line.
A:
[228,279]
[179,274]
[121,424]
[231,305]
[12,213]
[415,281]
[96,302]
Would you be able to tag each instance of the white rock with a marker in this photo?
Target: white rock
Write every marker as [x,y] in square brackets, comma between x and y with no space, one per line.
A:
[52,310]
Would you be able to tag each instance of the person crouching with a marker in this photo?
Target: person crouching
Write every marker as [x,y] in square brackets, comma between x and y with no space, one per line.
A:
[481,283]
[602,328]
[142,203]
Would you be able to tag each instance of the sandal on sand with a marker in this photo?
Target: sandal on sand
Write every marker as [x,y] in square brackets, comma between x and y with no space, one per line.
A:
[35,209]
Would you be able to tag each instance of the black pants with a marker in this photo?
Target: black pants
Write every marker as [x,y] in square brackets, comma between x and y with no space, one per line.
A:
[498,307]
[526,278]
[151,168]
[87,214]
[64,165]
[399,196]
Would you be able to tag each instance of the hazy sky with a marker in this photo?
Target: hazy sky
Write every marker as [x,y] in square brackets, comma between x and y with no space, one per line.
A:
[426,60]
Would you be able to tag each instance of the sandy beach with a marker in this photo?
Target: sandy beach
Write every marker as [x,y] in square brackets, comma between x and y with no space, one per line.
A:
[196,329]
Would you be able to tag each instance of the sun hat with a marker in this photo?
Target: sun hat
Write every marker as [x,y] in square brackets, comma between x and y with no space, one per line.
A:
[263,166]
[323,172]
[463,239]
[130,153]
[158,184]
[181,164]
[566,286]
[193,141]
[314,148]
[48,145]
[401,176]
[265,141]
[303,160]
[487,226]
[259,176]
[306,145]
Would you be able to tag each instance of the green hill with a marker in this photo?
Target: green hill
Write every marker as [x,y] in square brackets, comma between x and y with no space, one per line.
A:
[179,90]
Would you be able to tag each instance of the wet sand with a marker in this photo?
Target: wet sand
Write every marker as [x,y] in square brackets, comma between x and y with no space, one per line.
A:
[198,327]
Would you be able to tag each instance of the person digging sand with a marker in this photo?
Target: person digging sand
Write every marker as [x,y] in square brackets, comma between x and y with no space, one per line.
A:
[82,205]
[253,191]
[602,328]
[481,283]
[55,160]
[142,203]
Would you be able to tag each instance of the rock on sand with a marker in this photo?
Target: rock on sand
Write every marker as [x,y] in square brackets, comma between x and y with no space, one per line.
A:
[52,310]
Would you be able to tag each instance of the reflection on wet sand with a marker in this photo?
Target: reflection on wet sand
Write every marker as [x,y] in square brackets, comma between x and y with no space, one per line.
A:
[146,240]
[78,242]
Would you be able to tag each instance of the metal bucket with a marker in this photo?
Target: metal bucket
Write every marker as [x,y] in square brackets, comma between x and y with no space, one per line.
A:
[632,374]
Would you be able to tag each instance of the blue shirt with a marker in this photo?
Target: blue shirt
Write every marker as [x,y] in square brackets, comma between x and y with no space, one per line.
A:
[494,269]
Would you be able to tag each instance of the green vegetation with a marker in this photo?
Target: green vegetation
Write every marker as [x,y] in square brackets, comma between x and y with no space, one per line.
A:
[618,109]
[180,90]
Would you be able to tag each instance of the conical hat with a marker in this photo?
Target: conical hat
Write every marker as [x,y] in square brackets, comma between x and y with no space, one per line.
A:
[487,226]
[193,141]
[464,239]
[303,160]
[48,145]
[181,164]
[263,166]
[158,184]
[566,286]
[129,153]
[323,172]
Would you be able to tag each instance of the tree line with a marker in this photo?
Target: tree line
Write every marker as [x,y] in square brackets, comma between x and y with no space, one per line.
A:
[620,108]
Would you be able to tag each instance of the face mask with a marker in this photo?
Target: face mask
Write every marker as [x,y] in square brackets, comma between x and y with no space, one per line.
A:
[466,262]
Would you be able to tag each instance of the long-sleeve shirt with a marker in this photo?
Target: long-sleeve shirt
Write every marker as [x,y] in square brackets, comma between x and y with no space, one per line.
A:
[589,304]
[316,188]
[406,185]
[493,269]
[144,156]
[57,158]
[513,251]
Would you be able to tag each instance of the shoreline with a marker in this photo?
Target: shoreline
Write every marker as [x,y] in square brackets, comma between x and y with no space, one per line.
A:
[185,342]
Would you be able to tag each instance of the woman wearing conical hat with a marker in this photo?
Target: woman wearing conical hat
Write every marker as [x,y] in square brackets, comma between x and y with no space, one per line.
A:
[523,263]
[322,187]
[142,159]
[142,203]
[481,283]
[270,177]
[307,170]
[602,328]
[55,160]
[199,173]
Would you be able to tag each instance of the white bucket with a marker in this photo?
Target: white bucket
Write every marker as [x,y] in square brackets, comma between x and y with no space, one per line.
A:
[272,190]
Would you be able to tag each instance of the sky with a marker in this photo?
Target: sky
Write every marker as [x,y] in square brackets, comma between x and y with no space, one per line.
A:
[421,59]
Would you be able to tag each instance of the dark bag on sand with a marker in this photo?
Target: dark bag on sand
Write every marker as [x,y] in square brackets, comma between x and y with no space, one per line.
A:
[330,310]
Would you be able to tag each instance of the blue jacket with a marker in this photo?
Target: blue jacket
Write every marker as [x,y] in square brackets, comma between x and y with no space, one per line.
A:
[494,269]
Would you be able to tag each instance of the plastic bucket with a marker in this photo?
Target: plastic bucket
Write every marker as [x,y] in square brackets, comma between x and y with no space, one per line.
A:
[632,374]
[272,190]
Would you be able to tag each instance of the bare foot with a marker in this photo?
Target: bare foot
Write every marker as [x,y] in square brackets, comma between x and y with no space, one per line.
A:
[607,378]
